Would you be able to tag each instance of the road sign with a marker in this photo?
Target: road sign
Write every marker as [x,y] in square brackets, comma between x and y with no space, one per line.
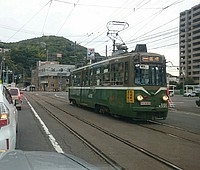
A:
[90,54]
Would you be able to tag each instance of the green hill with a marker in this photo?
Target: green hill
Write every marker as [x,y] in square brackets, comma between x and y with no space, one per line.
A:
[23,55]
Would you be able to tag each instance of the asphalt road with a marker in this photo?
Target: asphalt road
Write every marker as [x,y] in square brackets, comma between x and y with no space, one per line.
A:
[31,135]
[185,104]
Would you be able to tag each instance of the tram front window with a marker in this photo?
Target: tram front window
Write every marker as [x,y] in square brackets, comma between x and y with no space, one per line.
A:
[152,75]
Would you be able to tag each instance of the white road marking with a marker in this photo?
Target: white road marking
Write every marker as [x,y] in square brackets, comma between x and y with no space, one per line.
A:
[51,138]
[59,96]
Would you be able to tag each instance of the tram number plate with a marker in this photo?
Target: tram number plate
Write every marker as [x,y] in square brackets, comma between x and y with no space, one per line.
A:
[145,103]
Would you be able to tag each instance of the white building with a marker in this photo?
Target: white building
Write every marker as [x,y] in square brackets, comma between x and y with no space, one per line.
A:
[51,76]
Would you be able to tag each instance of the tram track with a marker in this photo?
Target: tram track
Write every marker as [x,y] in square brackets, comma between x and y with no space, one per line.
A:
[116,137]
[169,133]
[171,126]
[80,137]
[162,131]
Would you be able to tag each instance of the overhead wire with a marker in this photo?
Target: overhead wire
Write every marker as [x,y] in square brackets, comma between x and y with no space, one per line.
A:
[101,28]
[67,17]
[153,36]
[138,5]
[104,32]
[154,15]
[46,17]
[31,32]
[36,33]
[157,27]
[29,20]
[158,33]
[91,5]
[163,46]
[163,38]
[142,3]
[93,37]
[164,8]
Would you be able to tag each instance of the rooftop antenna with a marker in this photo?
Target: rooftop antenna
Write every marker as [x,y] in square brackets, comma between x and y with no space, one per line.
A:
[114,27]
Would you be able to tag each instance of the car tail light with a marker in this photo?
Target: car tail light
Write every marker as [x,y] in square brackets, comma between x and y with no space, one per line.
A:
[19,96]
[4,115]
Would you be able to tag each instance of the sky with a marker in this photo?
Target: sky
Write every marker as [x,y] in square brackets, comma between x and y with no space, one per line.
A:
[88,22]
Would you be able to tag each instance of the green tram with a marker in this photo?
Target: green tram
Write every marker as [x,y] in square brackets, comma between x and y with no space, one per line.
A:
[130,85]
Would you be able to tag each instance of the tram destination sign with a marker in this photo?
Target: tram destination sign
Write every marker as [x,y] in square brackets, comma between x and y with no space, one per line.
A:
[154,59]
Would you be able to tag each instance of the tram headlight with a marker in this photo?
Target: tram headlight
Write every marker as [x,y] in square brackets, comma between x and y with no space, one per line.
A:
[165,97]
[140,98]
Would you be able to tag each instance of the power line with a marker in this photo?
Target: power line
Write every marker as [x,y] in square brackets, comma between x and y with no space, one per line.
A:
[163,32]
[154,36]
[46,17]
[163,46]
[103,30]
[154,15]
[29,20]
[102,6]
[36,33]
[67,17]
[142,2]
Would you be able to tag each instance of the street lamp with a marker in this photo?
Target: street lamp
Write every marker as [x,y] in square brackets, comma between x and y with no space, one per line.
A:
[1,71]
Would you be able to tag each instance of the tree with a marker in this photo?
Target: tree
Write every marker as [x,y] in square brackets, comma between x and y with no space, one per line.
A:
[189,81]
[24,54]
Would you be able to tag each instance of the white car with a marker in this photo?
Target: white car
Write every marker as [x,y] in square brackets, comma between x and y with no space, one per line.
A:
[8,120]
[190,94]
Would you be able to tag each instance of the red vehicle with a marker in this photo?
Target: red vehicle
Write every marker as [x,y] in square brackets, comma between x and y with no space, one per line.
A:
[16,96]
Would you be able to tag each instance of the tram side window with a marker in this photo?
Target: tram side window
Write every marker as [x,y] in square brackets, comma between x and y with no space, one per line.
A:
[161,75]
[87,78]
[72,80]
[83,78]
[91,77]
[95,76]
[142,74]
[85,81]
[117,74]
[106,75]
[98,77]
[76,79]
[126,73]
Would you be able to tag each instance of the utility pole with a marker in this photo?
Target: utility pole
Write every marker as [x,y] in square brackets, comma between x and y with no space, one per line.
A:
[75,48]
[47,54]
[44,45]
[106,51]
[1,71]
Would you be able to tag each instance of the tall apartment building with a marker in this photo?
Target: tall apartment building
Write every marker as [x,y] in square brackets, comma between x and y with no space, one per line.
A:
[189,44]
